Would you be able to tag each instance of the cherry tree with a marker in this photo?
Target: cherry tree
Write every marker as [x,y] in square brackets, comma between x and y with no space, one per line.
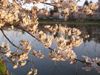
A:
[13,16]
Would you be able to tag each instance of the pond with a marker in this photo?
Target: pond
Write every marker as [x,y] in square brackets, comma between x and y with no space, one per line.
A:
[90,47]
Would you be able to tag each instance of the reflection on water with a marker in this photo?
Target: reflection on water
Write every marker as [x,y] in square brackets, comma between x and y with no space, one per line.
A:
[90,47]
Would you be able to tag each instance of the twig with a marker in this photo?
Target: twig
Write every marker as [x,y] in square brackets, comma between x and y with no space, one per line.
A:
[10,40]
[33,36]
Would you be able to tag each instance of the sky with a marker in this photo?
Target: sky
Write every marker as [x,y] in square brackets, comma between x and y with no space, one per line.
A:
[40,6]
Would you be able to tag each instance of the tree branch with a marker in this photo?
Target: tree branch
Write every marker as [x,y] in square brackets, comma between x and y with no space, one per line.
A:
[32,36]
[82,61]
[10,40]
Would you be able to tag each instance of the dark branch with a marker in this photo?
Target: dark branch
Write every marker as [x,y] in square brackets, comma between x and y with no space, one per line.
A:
[9,40]
[33,36]
[82,61]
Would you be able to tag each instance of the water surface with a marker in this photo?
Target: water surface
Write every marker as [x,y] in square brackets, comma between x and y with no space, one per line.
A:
[90,47]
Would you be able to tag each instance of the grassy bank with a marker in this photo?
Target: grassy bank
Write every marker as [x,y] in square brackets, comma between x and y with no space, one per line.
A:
[70,22]
[3,70]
